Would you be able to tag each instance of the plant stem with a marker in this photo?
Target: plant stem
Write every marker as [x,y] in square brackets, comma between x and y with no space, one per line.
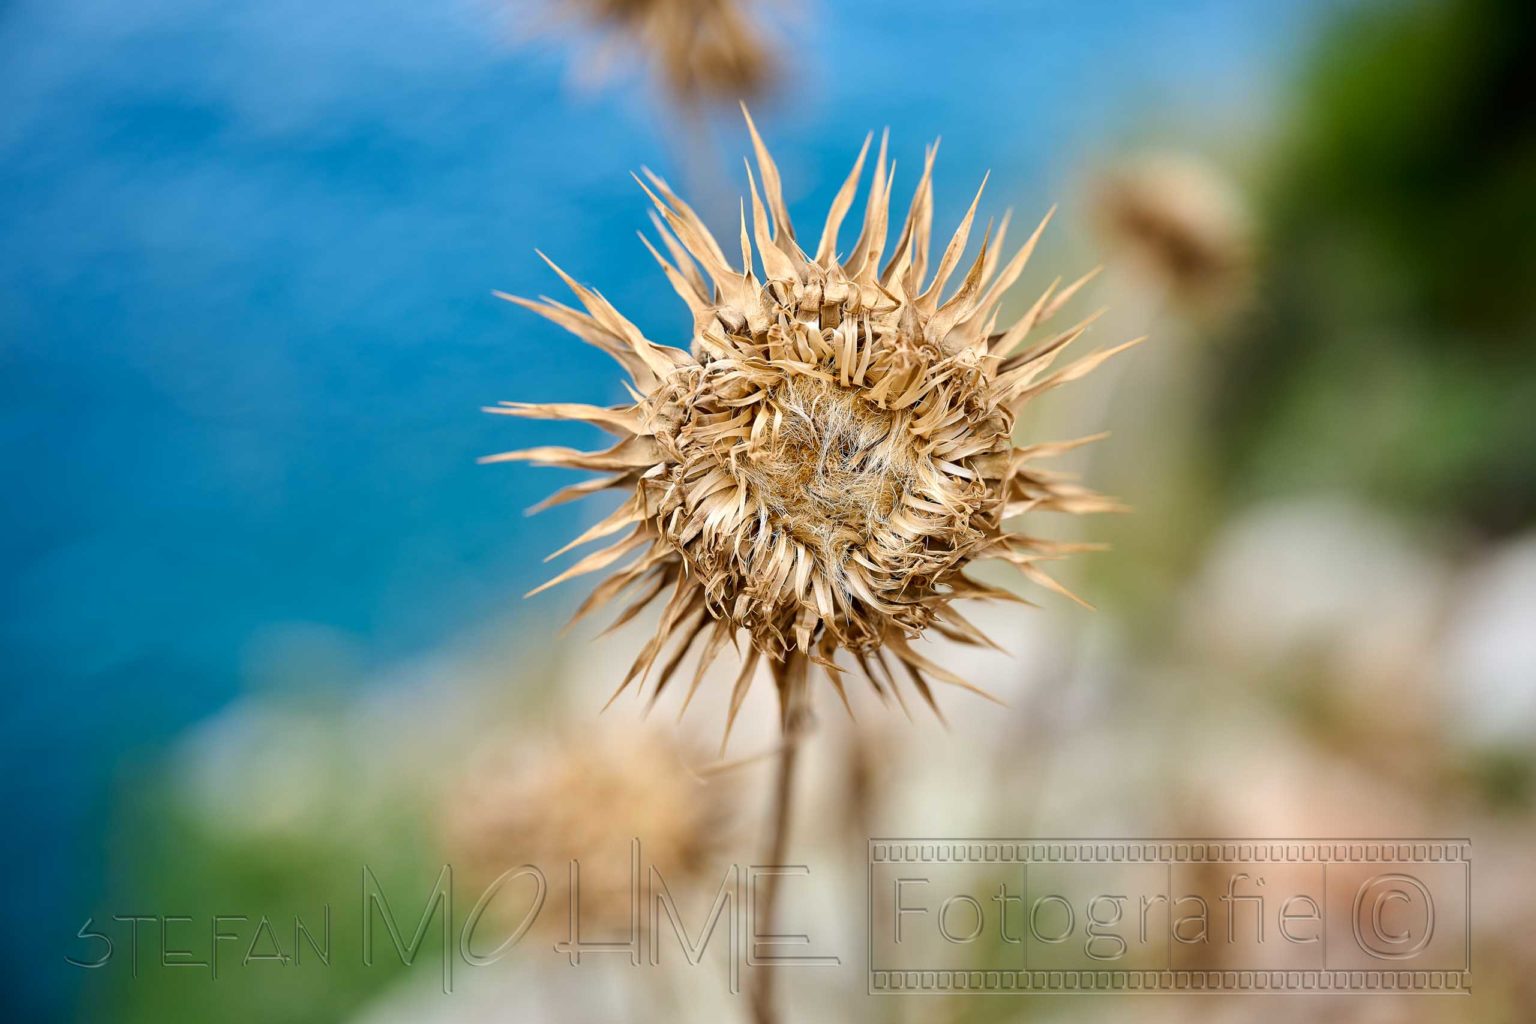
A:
[790,678]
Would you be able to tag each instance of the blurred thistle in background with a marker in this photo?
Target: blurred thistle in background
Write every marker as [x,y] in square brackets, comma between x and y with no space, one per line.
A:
[581,796]
[1181,226]
[702,51]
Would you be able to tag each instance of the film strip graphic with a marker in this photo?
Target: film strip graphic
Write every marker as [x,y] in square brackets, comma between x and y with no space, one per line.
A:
[1288,915]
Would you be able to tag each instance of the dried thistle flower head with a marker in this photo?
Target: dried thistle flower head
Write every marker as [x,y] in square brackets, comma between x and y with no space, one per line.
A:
[703,50]
[585,797]
[833,451]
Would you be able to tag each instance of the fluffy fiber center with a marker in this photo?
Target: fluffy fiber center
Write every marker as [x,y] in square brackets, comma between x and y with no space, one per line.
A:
[831,470]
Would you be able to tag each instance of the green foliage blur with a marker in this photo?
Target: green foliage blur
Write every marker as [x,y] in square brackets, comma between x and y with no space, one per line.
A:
[1390,350]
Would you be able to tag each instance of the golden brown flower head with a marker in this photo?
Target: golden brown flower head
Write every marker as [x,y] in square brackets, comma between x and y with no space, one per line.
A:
[833,451]
[585,797]
[704,50]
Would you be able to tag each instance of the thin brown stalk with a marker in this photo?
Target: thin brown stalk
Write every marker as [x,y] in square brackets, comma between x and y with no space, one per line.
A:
[790,678]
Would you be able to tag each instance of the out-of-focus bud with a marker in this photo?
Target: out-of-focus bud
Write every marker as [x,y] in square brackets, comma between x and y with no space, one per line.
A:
[1181,225]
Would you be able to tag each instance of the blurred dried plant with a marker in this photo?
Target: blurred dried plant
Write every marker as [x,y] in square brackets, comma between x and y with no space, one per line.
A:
[702,50]
[834,450]
[1182,224]
[585,797]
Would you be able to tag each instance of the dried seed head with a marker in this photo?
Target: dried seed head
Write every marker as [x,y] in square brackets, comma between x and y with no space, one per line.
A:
[703,50]
[585,798]
[834,449]
[1183,225]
